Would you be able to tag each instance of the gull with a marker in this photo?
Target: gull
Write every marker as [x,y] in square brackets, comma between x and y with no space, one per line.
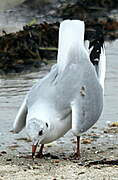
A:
[70,97]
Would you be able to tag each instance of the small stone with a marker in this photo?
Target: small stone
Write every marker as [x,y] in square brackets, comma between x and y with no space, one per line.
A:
[56,161]
[25,170]
[62,177]
[105,131]
[3,152]
[9,159]
[81,164]
[93,147]
[20,61]
[114,124]
[22,163]
[86,141]
[35,167]
[74,142]
[82,91]
[97,167]
[29,167]
[81,173]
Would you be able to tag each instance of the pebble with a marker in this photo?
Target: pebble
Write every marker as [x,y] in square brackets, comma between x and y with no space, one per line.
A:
[81,173]
[86,141]
[114,124]
[22,163]
[56,161]
[3,152]
[93,147]
[8,159]
[29,167]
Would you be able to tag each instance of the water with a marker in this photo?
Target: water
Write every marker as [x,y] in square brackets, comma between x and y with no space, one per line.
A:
[14,88]
[9,3]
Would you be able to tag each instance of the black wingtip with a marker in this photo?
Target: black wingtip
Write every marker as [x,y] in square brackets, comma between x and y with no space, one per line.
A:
[95,36]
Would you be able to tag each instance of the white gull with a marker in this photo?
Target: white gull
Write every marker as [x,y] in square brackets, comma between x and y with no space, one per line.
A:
[69,97]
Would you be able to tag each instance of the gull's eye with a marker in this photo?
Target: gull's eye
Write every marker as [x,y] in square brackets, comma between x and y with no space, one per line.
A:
[40,132]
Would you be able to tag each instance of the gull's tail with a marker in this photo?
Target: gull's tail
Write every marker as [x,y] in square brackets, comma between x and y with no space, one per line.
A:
[71,36]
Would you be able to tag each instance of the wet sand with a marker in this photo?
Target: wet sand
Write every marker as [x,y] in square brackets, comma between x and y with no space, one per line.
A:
[98,144]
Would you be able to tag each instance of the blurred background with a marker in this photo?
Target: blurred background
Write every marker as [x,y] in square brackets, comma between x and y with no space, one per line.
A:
[37,22]
[19,12]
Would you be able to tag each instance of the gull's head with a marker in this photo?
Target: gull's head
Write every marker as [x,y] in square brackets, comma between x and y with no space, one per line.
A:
[37,131]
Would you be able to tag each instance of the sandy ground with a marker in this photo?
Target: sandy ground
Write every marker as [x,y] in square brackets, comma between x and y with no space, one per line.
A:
[99,146]
[64,170]
[18,167]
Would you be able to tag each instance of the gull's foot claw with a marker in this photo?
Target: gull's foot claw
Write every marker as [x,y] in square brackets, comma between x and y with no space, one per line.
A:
[75,156]
[39,155]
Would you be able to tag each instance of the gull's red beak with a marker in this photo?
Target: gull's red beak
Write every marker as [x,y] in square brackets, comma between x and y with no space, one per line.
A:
[34,149]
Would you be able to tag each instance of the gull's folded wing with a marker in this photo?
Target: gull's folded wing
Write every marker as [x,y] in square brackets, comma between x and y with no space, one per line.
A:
[86,108]
[20,120]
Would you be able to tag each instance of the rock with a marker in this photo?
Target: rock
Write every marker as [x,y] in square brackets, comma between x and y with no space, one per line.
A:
[20,61]
[86,141]
[114,124]
[29,167]
[3,152]
[56,161]
[8,159]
